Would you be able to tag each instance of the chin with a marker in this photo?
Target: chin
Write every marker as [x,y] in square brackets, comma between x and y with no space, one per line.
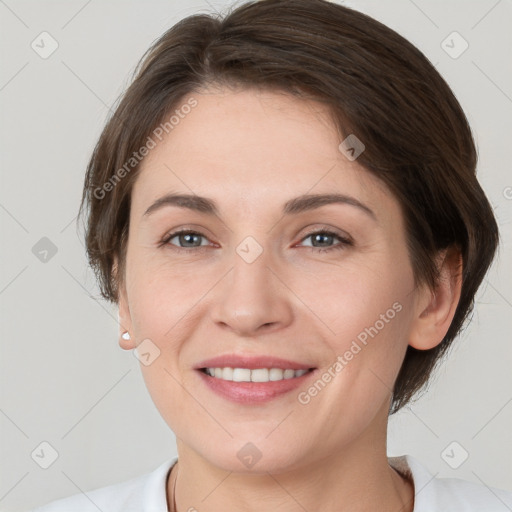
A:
[254,457]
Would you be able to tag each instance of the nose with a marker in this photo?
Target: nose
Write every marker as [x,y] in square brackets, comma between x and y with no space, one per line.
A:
[252,298]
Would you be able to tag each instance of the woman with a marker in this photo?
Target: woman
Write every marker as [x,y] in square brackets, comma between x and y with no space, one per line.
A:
[284,206]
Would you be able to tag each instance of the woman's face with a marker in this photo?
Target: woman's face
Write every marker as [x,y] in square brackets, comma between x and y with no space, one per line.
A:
[261,280]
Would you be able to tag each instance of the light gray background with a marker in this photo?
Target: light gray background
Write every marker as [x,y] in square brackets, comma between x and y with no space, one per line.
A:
[64,378]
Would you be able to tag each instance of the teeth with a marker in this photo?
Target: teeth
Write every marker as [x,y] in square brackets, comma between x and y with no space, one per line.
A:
[241,375]
[256,375]
[227,373]
[289,374]
[259,375]
[278,374]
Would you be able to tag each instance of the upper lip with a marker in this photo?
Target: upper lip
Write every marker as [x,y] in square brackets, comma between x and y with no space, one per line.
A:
[251,362]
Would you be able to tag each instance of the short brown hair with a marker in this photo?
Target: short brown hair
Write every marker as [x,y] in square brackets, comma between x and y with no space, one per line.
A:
[377,85]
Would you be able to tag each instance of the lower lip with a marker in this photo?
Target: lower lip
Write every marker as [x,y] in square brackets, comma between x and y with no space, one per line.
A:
[253,392]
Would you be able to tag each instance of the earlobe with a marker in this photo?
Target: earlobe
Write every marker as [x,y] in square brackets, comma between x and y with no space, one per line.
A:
[126,339]
[436,308]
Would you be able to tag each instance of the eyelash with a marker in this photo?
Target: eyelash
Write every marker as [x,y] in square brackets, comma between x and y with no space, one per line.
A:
[345,241]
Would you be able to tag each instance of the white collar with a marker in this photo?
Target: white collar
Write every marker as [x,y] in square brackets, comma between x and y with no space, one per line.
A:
[155,490]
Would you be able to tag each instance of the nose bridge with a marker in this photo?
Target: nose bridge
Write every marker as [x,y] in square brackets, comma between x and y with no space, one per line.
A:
[250,250]
[249,282]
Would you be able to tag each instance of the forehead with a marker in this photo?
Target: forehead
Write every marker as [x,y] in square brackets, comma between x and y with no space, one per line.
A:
[252,146]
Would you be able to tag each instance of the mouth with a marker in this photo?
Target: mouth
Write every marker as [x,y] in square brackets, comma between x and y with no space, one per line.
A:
[250,379]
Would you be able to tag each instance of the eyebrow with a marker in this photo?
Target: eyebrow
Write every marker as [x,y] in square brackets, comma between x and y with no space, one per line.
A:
[294,206]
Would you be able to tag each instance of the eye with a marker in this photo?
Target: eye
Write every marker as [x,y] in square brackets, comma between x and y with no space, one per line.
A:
[325,237]
[186,238]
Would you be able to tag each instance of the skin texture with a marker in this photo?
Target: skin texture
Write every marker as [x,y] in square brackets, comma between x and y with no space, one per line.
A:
[251,151]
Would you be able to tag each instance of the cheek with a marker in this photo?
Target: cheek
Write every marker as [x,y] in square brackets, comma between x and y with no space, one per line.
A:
[164,306]
[363,361]
[357,300]
[167,305]
[163,298]
[367,314]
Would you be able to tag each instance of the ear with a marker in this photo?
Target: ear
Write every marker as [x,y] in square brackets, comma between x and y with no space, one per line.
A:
[435,308]
[125,320]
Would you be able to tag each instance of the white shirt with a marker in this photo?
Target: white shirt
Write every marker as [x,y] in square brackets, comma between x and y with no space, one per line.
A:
[147,493]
